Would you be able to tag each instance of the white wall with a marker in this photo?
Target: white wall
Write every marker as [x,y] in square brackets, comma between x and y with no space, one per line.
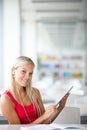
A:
[1,45]
[11,36]
[29,42]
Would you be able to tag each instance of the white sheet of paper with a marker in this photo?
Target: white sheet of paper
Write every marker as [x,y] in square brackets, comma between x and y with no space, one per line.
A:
[54,127]
[40,127]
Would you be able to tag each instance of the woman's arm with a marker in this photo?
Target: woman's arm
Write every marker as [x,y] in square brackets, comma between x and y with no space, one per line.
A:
[8,110]
[47,116]
[57,111]
[50,114]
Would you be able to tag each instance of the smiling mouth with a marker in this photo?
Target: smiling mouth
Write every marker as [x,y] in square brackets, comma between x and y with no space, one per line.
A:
[26,82]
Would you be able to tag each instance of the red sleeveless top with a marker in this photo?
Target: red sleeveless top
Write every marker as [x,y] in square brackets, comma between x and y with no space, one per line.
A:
[22,110]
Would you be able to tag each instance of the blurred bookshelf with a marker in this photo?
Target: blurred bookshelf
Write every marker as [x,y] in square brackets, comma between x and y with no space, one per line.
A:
[63,66]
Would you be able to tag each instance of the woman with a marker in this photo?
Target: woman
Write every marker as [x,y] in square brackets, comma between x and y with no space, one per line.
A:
[21,103]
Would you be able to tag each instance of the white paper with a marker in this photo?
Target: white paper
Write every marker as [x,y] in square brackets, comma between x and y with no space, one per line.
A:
[70,126]
[40,127]
[54,127]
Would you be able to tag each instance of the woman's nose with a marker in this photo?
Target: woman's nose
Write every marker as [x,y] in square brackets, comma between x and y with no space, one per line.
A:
[28,76]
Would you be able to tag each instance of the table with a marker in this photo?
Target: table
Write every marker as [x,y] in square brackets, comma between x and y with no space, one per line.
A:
[18,127]
[10,127]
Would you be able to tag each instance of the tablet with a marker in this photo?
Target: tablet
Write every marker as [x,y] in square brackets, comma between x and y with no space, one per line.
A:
[63,96]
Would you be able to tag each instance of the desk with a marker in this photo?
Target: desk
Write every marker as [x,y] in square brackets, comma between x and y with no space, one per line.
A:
[18,127]
[10,127]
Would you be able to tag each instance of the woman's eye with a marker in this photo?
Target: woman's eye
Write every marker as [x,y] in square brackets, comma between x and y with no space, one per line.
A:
[30,73]
[23,71]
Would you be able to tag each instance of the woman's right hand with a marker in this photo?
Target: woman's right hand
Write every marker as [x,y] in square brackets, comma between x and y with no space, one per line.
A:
[52,112]
[49,110]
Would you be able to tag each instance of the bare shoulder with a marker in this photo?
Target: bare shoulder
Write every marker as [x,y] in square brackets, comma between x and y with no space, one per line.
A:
[35,89]
[5,101]
[7,109]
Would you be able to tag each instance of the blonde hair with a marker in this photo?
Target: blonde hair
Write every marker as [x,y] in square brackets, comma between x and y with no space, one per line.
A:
[21,61]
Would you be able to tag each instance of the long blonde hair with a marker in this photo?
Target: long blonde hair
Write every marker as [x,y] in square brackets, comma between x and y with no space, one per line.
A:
[21,61]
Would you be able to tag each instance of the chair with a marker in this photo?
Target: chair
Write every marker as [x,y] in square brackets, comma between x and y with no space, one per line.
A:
[69,115]
[3,120]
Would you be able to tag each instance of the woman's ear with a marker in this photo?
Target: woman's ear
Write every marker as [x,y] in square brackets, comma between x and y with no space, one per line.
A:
[13,70]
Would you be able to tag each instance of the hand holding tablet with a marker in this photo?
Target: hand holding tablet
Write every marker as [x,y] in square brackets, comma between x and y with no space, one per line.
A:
[64,96]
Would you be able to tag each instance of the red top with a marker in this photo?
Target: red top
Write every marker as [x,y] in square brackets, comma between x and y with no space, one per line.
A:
[22,110]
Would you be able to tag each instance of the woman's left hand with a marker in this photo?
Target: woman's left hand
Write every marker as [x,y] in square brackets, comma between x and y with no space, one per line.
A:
[63,101]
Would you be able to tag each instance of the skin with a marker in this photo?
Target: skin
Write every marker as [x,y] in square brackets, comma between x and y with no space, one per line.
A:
[23,75]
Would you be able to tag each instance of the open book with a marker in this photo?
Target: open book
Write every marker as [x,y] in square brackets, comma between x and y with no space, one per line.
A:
[54,127]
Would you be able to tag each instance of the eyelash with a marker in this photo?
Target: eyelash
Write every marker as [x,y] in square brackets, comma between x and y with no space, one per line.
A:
[23,71]
[30,73]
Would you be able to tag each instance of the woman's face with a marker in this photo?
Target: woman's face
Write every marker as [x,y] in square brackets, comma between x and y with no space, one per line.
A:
[23,74]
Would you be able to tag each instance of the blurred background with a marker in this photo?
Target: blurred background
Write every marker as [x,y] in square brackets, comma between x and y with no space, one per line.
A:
[54,34]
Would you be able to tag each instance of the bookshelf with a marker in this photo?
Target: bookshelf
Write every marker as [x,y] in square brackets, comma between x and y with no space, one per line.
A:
[62,66]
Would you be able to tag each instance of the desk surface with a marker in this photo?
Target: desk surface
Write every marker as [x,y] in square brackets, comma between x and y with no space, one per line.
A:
[18,127]
[10,127]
